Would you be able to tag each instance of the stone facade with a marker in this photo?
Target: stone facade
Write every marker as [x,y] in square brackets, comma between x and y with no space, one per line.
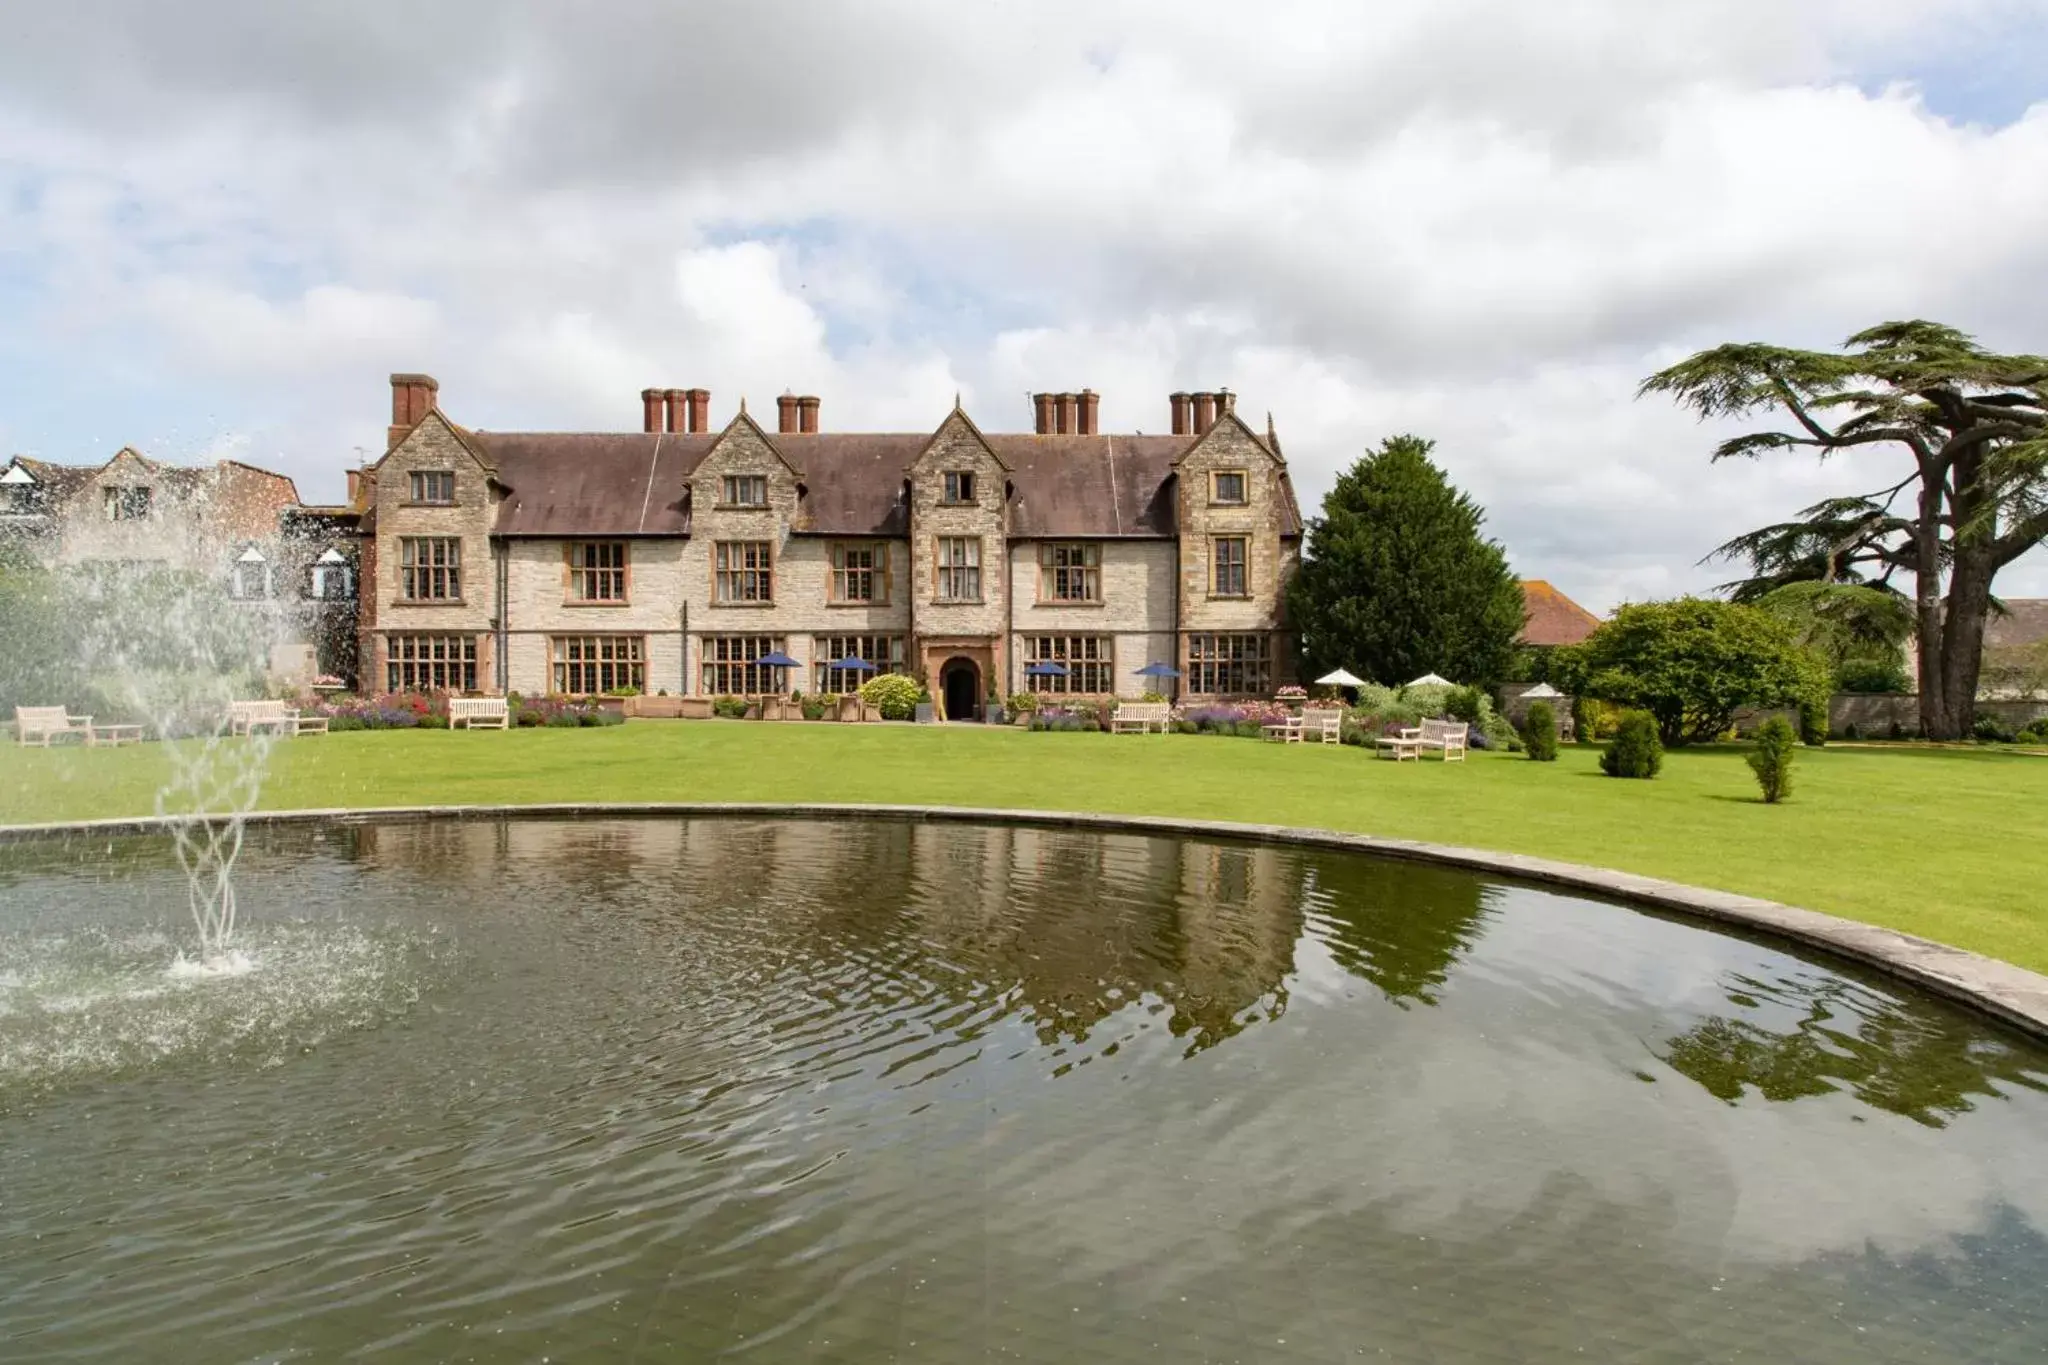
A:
[726,546]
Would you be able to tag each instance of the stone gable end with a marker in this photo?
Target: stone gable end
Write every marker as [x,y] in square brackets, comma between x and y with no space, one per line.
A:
[1229,447]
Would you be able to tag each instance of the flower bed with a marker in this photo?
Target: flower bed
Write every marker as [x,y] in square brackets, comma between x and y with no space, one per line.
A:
[429,711]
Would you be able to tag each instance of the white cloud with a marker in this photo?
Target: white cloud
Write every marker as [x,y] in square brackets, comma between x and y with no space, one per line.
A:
[1481,221]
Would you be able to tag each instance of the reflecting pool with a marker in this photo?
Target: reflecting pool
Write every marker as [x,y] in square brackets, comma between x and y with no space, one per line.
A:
[868,1091]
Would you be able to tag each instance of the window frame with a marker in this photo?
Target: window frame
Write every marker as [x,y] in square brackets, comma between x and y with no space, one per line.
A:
[1095,661]
[825,648]
[946,575]
[1242,565]
[958,487]
[1220,663]
[612,661]
[460,662]
[261,565]
[840,574]
[1089,570]
[1244,487]
[724,578]
[727,485]
[417,489]
[450,569]
[128,502]
[709,647]
[578,578]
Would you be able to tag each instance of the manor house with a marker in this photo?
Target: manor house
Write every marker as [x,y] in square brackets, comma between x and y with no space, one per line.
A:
[677,557]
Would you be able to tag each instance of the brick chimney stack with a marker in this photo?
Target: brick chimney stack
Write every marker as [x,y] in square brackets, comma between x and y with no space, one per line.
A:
[651,405]
[672,408]
[1183,421]
[1041,413]
[1226,403]
[807,414]
[1090,405]
[785,415]
[700,410]
[413,396]
[1205,412]
[1065,416]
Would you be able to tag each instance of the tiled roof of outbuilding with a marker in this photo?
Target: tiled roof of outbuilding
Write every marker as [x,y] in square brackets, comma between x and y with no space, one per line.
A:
[1552,618]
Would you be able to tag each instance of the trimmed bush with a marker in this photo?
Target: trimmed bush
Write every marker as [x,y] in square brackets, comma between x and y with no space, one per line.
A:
[1022,703]
[1813,722]
[1539,732]
[1465,703]
[893,695]
[1635,750]
[1991,729]
[732,708]
[427,722]
[1771,759]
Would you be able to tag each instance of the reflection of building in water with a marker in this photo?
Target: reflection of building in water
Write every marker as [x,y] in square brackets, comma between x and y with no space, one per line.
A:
[1072,925]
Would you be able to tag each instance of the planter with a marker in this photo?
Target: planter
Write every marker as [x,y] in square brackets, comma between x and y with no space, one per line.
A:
[994,714]
[926,713]
[691,708]
[854,709]
[658,708]
[615,705]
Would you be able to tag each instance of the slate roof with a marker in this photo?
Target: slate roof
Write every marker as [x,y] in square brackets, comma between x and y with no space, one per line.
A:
[1552,618]
[566,483]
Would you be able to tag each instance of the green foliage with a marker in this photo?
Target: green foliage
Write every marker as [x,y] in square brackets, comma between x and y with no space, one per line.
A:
[732,708]
[430,721]
[813,708]
[1153,697]
[1431,699]
[1813,721]
[1539,732]
[1872,675]
[1771,759]
[2036,732]
[38,665]
[623,692]
[1465,703]
[1397,580]
[1857,631]
[1634,751]
[1992,729]
[893,695]
[1023,703]
[1693,663]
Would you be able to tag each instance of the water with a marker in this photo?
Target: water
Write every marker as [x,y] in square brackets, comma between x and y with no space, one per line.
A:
[683,1090]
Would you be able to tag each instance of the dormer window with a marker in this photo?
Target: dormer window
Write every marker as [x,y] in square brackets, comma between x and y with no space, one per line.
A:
[127,504]
[331,579]
[250,579]
[17,490]
[744,490]
[434,487]
[1226,487]
[959,486]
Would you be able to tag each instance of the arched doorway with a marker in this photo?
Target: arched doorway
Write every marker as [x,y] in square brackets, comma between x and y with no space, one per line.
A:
[960,686]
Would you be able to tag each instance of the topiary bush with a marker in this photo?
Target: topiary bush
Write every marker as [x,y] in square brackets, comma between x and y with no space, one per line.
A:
[1813,721]
[894,695]
[1771,759]
[1539,732]
[1635,750]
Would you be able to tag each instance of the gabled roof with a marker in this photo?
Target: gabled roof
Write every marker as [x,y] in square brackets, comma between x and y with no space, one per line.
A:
[1551,618]
[1092,485]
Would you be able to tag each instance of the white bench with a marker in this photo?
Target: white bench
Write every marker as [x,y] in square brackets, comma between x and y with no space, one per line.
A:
[1448,736]
[1401,744]
[41,724]
[1141,716]
[1325,723]
[479,713]
[247,717]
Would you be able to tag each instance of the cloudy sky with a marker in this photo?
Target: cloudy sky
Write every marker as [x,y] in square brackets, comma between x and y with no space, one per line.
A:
[223,223]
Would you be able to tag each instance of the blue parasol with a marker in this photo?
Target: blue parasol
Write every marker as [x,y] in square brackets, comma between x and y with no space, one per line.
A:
[1047,670]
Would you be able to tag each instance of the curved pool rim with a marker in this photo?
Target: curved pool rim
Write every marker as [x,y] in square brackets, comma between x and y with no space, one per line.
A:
[2005,992]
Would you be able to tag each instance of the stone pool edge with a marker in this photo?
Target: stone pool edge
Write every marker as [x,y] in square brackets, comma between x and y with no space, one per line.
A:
[2011,994]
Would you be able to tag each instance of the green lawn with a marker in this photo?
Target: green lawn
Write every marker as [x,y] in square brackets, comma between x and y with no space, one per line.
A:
[1945,843]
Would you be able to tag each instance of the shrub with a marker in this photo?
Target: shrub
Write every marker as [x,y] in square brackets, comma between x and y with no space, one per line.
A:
[2036,732]
[1866,675]
[564,719]
[813,709]
[1992,730]
[732,708]
[627,691]
[339,723]
[1813,721]
[426,722]
[1849,730]
[894,695]
[1635,750]
[1429,699]
[1373,697]
[1539,732]
[1153,697]
[1771,759]
[1465,703]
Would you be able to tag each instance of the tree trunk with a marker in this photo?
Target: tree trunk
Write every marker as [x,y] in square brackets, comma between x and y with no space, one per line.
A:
[1934,721]
[1962,638]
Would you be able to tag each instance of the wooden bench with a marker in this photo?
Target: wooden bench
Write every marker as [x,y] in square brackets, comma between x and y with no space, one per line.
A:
[479,713]
[41,724]
[1447,736]
[1401,744]
[1141,716]
[115,735]
[1325,723]
[1282,731]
